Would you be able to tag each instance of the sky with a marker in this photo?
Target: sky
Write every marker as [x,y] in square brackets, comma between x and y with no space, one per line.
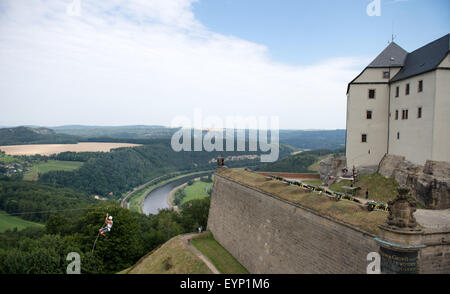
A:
[148,62]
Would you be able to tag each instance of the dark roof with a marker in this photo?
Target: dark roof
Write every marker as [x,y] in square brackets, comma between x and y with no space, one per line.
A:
[391,51]
[424,59]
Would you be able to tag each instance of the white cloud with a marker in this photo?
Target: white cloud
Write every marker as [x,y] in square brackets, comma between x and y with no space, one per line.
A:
[145,62]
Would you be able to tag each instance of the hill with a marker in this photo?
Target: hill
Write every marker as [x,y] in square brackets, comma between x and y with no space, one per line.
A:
[320,139]
[123,169]
[303,162]
[300,139]
[120,132]
[35,200]
[203,255]
[9,222]
[173,257]
[27,135]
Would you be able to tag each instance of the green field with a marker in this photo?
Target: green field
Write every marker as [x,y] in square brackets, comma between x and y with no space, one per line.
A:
[219,256]
[196,191]
[50,165]
[11,222]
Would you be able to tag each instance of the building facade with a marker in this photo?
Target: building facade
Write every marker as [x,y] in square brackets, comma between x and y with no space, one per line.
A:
[400,104]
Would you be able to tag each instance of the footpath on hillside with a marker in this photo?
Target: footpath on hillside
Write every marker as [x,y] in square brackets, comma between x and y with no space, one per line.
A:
[200,255]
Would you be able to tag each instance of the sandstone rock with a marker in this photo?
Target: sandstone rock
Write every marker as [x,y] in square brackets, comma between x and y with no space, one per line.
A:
[331,167]
[429,184]
[388,164]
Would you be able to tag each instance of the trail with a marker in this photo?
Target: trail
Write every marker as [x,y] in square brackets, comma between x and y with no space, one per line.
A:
[199,254]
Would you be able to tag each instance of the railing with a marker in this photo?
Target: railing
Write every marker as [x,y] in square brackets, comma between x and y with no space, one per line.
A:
[371,205]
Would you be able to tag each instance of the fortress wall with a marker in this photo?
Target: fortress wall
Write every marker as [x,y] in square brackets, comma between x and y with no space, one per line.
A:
[270,235]
[435,257]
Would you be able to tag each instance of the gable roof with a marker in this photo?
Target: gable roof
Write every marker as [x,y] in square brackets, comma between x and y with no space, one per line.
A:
[424,59]
[391,51]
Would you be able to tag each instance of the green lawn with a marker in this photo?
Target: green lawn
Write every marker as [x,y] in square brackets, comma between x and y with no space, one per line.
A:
[196,191]
[11,222]
[50,165]
[175,251]
[380,188]
[219,256]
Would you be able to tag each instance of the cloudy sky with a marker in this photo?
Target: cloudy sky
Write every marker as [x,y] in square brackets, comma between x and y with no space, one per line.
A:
[119,62]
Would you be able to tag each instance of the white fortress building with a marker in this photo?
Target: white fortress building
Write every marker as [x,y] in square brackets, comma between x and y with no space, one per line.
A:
[400,105]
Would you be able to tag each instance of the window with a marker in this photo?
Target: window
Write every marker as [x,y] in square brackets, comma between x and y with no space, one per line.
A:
[386,75]
[405,114]
[371,94]
[364,138]
[419,112]
[397,91]
[420,86]
[369,114]
[398,135]
[407,89]
[396,115]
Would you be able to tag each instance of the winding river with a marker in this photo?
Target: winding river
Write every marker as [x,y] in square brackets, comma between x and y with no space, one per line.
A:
[157,198]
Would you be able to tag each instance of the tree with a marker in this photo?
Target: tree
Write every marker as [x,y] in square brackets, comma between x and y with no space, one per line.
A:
[58,224]
[195,213]
[123,247]
[167,223]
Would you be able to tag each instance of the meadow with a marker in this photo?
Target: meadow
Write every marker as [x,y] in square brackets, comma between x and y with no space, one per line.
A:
[219,256]
[51,165]
[198,190]
[10,222]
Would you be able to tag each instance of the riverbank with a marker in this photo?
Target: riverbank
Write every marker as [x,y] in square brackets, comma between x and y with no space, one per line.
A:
[134,199]
[156,197]
[198,190]
[171,197]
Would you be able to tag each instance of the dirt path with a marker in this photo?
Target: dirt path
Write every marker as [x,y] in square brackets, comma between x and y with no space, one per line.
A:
[199,254]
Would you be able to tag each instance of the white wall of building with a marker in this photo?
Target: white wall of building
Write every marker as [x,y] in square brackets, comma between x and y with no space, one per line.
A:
[416,134]
[370,153]
[441,131]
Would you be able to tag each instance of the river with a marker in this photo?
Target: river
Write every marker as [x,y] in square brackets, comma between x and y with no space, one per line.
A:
[157,198]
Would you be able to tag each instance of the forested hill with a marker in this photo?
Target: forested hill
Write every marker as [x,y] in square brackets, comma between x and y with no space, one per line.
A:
[34,201]
[300,139]
[125,168]
[27,135]
[299,163]
[319,139]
